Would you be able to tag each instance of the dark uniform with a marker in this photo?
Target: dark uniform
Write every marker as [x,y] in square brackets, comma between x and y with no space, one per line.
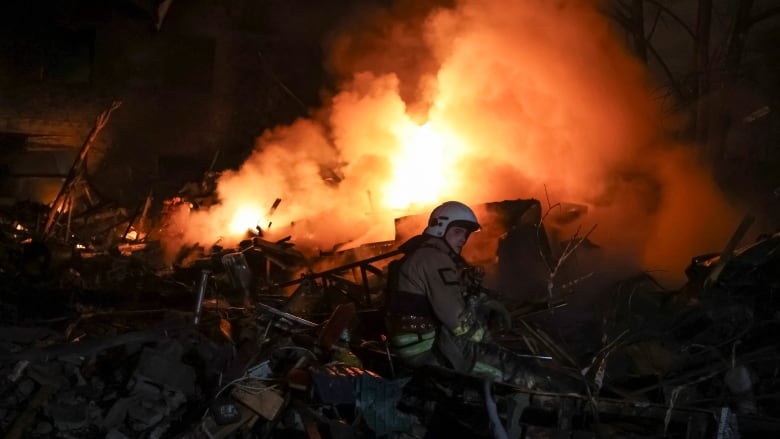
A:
[433,320]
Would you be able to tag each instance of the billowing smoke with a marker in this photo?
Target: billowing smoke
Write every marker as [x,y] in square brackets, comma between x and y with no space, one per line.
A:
[479,101]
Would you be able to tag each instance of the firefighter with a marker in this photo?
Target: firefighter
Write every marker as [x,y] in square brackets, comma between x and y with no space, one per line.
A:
[434,318]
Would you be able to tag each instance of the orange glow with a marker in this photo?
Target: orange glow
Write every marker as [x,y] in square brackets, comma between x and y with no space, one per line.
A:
[517,100]
[420,170]
[244,219]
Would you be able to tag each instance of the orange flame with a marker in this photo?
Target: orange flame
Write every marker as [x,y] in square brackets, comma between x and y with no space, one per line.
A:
[421,170]
[245,219]
[516,97]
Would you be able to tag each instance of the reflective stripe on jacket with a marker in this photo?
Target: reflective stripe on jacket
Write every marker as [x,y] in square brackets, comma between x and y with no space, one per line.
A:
[427,283]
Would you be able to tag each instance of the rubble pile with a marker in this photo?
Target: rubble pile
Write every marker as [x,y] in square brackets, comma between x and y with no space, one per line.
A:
[101,337]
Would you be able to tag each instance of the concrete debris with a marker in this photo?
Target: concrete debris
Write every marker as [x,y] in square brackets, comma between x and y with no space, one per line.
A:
[161,367]
[118,411]
[99,338]
[43,429]
[146,413]
[68,417]
[115,434]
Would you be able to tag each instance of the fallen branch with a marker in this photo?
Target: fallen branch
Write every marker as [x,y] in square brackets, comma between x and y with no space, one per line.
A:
[571,246]
[547,342]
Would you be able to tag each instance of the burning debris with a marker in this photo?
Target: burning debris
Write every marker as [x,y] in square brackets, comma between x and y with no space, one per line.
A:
[253,302]
[117,324]
[263,341]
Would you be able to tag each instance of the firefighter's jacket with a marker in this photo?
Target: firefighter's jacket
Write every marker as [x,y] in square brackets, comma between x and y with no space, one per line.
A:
[427,301]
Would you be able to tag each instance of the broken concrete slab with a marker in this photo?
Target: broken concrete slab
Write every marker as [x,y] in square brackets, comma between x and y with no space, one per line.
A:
[161,368]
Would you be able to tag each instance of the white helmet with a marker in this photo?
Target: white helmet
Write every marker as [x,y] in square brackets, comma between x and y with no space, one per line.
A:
[451,213]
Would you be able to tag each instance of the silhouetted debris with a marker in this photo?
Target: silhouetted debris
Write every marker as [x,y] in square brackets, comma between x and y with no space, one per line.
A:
[101,337]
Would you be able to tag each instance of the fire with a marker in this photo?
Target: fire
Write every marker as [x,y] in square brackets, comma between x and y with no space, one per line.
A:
[244,219]
[517,98]
[420,171]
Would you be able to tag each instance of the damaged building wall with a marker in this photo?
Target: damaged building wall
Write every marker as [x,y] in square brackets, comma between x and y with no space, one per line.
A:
[211,78]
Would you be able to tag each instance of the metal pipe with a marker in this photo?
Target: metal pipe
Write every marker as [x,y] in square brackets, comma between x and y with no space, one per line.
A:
[499,432]
[286,315]
[201,289]
[335,270]
[389,357]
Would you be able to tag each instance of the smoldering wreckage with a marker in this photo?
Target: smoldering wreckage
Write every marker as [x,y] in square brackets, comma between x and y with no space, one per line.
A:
[103,338]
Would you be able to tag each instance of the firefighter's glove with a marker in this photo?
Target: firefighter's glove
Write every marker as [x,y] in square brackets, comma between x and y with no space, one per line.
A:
[491,310]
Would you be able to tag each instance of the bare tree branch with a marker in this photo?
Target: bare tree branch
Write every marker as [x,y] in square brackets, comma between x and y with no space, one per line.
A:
[547,195]
[571,246]
[656,20]
[626,23]
[732,59]
[674,17]
[769,13]
[702,57]
[673,85]
[638,19]
[539,230]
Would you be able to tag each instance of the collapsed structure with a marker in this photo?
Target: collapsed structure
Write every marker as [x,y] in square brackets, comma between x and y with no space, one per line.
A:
[106,332]
[103,336]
